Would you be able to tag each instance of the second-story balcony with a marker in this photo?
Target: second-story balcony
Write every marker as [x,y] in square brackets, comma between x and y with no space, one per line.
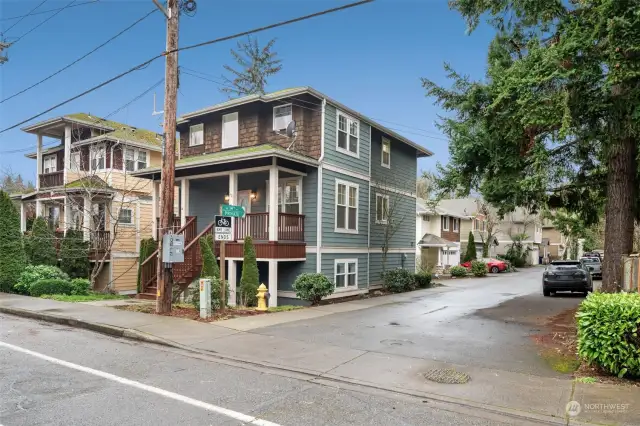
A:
[51,180]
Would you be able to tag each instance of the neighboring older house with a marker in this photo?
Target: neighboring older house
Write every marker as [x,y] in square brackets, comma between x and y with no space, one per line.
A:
[473,221]
[525,226]
[554,243]
[437,235]
[317,202]
[83,181]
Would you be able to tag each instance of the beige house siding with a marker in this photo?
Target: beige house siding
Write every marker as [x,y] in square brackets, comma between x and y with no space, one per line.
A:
[125,274]
[465,227]
[126,182]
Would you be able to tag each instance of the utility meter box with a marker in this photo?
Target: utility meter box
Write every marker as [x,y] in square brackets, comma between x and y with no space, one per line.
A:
[173,248]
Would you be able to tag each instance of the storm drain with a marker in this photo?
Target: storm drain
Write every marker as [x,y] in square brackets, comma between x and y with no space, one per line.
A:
[447,376]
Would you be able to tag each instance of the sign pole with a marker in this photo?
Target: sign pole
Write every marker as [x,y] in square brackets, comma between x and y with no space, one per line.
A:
[223,272]
[223,233]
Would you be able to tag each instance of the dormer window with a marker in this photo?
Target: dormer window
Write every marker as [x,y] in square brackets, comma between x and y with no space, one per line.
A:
[282,116]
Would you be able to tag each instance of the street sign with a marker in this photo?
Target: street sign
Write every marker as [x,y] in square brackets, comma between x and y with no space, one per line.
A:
[222,228]
[233,211]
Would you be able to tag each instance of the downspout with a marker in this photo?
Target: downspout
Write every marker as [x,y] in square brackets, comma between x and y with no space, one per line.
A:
[320,191]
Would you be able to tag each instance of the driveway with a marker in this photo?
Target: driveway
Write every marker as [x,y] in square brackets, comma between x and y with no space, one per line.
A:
[483,322]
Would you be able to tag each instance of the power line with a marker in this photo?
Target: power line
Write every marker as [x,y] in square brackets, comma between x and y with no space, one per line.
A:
[47,11]
[80,58]
[24,16]
[41,23]
[120,108]
[162,55]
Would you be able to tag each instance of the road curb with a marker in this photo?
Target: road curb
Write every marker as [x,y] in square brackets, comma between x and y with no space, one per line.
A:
[315,376]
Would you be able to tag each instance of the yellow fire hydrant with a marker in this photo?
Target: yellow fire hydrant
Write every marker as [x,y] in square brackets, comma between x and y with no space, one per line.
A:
[262,298]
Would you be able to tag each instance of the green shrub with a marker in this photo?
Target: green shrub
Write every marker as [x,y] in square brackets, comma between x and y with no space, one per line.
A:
[74,254]
[39,244]
[478,268]
[312,287]
[51,286]
[398,280]
[80,286]
[35,273]
[147,247]
[249,282]
[608,332]
[470,252]
[12,257]
[215,294]
[422,279]
[209,262]
[458,271]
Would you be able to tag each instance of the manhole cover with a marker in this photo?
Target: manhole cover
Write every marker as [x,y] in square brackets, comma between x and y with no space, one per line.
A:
[394,342]
[447,376]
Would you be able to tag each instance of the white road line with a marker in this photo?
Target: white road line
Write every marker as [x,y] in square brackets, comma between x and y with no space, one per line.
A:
[167,394]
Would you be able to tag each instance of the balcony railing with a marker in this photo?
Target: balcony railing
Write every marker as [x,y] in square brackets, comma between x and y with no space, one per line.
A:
[256,225]
[50,180]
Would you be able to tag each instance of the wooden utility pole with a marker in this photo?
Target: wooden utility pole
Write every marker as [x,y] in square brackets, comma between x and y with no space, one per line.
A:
[167,179]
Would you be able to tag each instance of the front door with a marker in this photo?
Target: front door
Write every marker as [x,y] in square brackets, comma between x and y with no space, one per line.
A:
[244,200]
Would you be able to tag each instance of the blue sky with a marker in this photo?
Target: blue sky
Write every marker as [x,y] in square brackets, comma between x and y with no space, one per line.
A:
[370,58]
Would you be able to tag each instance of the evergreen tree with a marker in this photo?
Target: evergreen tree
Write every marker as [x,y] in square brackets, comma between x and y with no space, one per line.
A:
[250,281]
[470,253]
[74,254]
[209,262]
[39,245]
[256,64]
[553,123]
[12,256]
[147,247]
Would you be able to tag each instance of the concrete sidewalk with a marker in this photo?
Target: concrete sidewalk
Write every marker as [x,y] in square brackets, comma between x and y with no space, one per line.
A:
[527,396]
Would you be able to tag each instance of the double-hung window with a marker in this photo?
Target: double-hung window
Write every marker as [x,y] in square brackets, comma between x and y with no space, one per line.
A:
[348,135]
[455,224]
[346,207]
[130,159]
[386,153]
[382,208]
[282,116]
[50,164]
[76,161]
[346,273]
[196,135]
[98,155]
[125,216]
[445,223]
[142,160]
[230,130]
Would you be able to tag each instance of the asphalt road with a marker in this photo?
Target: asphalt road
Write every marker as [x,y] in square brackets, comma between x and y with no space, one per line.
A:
[56,375]
[483,322]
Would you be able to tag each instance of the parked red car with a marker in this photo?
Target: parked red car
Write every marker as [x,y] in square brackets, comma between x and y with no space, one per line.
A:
[493,265]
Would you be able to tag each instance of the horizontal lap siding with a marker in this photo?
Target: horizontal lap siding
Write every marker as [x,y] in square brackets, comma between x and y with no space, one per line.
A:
[330,238]
[340,159]
[404,163]
[394,261]
[310,206]
[125,274]
[328,266]
[405,211]
[289,271]
[205,198]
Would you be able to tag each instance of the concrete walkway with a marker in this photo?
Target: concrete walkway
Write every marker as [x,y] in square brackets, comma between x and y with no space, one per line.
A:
[532,397]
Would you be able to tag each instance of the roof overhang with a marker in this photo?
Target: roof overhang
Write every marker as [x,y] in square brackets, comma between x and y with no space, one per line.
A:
[283,94]
[34,155]
[274,152]
[54,127]
[127,142]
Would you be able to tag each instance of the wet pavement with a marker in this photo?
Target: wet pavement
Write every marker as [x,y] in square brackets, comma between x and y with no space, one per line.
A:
[477,322]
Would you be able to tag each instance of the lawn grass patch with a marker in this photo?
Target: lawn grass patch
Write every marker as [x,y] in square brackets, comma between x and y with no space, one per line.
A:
[92,297]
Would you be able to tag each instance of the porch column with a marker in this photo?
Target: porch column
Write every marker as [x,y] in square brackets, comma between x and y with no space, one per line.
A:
[233,200]
[273,203]
[39,211]
[154,209]
[184,201]
[440,256]
[23,217]
[67,152]
[86,217]
[273,283]
[66,214]
[232,278]
[39,161]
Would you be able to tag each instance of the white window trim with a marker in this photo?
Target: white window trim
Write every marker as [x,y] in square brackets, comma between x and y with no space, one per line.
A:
[274,115]
[335,204]
[456,224]
[93,150]
[343,150]
[47,159]
[136,152]
[237,120]
[346,273]
[388,142]
[201,125]
[132,223]
[382,221]
[75,166]
[446,222]
[281,182]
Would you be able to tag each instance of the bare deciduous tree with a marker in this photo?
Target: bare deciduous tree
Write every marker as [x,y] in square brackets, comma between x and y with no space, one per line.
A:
[389,213]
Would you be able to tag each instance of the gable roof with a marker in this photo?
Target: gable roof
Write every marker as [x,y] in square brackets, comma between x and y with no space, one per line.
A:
[295,91]
[421,208]
[114,130]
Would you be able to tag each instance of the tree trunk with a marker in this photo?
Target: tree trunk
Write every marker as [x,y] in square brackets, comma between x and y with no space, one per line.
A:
[619,211]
